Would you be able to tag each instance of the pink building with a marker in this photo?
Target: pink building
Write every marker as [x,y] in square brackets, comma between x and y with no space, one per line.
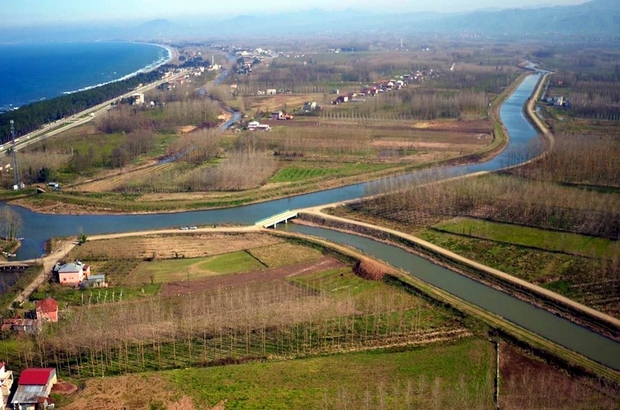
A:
[73,273]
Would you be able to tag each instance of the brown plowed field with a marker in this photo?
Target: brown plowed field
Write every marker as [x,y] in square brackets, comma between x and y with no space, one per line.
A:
[165,246]
[263,275]
[116,179]
[527,383]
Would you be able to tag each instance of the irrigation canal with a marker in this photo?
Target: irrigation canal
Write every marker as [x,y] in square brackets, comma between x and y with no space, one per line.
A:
[39,227]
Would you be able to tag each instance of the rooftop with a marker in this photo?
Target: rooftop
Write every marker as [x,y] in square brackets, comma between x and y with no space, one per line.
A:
[47,305]
[29,394]
[36,376]
[71,267]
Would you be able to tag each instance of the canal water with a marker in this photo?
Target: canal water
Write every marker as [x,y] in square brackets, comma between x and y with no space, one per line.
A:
[39,227]
[539,321]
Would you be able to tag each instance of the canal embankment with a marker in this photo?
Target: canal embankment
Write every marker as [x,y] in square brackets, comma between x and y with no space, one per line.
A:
[490,324]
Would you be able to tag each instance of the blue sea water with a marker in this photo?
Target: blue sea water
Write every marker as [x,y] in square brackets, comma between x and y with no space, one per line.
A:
[32,72]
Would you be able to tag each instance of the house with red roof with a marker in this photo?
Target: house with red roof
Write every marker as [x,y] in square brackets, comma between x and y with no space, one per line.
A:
[33,389]
[47,310]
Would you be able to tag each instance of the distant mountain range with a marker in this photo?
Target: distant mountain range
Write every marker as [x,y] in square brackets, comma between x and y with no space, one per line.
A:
[597,18]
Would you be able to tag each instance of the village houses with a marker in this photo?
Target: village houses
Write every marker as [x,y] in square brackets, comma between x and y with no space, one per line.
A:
[33,389]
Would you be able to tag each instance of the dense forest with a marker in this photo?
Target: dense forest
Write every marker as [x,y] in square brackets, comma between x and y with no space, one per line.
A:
[30,117]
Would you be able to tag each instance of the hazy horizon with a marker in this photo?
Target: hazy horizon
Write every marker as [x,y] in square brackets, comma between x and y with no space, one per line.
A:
[56,12]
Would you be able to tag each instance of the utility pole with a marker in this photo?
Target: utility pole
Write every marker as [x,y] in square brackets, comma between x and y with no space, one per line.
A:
[15,168]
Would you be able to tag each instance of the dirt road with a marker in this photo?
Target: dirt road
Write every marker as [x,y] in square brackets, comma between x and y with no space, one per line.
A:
[48,263]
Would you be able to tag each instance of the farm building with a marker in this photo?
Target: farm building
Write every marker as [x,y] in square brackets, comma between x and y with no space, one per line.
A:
[279,115]
[95,281]
[137,99]
[47,310]
[33,389]
[21,326]
[255,125]
[72,273]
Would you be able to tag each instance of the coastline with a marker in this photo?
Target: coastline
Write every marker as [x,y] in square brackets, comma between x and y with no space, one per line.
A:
[172,55]
[54,92]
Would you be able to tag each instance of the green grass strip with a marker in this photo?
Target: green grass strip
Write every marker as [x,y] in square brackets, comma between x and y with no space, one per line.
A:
[531,237]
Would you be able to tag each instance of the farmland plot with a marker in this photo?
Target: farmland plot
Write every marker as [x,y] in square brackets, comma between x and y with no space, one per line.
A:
[171,246]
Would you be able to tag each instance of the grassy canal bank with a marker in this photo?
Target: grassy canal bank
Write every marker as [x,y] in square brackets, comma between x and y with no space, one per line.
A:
[325,311]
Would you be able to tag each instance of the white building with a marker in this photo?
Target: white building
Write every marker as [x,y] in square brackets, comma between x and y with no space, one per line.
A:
[6,381]
[138,98]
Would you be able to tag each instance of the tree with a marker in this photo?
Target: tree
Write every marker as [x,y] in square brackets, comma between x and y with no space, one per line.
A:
[44,174]
[82,238]
[10,223]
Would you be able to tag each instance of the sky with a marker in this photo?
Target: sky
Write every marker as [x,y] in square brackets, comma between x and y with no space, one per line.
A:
[52,12]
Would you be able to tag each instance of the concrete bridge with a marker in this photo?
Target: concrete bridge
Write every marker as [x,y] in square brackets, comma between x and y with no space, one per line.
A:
[12,267]
[273,221]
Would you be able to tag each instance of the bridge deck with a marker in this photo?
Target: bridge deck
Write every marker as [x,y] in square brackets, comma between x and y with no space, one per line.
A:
[276,219]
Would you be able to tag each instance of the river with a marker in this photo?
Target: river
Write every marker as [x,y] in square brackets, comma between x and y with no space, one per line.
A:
[39,227]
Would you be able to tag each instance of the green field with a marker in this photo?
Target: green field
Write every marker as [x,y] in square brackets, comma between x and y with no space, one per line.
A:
[303,172]
[457,375]
[285,253]
[533,265]
[344,284]
[531,237]
[176,270]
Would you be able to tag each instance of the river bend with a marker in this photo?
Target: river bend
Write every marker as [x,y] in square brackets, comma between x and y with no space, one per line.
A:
[40,227]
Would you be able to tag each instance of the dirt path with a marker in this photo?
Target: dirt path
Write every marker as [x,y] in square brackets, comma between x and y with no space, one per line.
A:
[317,211]
[177,231]
[48,263]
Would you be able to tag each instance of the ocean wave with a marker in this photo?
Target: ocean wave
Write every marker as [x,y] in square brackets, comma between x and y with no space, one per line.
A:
[161,61]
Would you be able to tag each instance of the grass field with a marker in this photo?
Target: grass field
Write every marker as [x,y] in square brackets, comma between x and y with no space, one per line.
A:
[583,279]
[534,265]
[177,270]
[300,171]
[323,308]
[456,375]
[284,253]
[436,376]
[531,237]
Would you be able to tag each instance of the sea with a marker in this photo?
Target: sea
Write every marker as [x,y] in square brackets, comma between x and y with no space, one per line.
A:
[34,72]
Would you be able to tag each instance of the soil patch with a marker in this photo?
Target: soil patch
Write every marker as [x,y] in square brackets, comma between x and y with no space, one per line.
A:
[527,383]
[129,392]
[64,388]
[370,270]
[186,128]
[266,275]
